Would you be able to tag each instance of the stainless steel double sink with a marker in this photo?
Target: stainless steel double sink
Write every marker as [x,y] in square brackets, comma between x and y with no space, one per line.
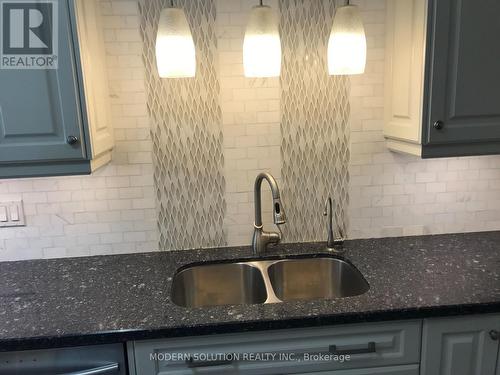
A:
[266,281]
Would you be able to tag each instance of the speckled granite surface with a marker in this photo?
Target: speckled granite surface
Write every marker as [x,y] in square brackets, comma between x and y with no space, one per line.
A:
[92,300]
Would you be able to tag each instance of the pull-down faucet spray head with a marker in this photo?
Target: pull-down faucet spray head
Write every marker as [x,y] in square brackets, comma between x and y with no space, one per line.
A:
[278,213]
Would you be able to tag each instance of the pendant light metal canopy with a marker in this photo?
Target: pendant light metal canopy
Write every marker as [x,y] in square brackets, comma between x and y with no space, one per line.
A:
[347,43]
[175,51]
[262,44]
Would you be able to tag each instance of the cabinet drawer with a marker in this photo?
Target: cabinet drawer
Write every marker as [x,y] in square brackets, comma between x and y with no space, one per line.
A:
[283,351]
[97,359]
[393,370]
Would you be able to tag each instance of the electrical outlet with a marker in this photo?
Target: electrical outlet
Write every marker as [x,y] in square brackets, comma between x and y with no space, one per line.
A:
[12,214]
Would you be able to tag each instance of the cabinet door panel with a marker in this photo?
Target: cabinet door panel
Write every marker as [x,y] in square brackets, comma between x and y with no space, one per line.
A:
[464,76]
[39,109]
[460,346]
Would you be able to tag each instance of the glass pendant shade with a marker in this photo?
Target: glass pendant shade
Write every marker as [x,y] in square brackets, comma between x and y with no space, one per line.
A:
[347,43]
[262,45]
[175,52]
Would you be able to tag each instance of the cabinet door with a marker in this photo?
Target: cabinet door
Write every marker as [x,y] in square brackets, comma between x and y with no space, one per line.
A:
[463,75]
[498,363]
[39,109]
[460,346]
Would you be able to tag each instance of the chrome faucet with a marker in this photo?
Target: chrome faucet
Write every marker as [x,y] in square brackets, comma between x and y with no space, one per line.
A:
[332,243]
[262,238]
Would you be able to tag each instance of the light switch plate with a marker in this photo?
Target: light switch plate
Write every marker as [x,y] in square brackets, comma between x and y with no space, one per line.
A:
[3,214]
[12,214]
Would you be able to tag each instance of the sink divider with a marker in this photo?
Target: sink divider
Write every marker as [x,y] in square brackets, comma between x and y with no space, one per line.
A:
[263,267]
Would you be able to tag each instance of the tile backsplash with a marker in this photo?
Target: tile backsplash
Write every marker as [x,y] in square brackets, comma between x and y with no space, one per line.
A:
[251,123]
[115,209]
[187,135]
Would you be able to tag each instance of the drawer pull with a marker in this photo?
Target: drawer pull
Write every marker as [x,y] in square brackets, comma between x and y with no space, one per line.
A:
[108,369]
[370,349]
[191,363]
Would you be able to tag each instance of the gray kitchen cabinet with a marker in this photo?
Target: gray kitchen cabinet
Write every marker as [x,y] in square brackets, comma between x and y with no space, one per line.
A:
[443,77]
[55,121]
[460,346]
[375,347]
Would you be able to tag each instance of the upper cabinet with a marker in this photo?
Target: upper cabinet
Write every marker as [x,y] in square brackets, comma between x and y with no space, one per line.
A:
[443,77]
[54,121]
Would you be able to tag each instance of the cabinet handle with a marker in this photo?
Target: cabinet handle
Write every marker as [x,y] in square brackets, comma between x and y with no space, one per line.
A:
[191,363]
[112,368]
[438,125]
[72,140]
[494,335]
[371,348]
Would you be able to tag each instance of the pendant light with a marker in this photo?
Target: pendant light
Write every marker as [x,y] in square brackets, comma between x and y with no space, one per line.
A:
[262,45]
[347,43]
[175,52]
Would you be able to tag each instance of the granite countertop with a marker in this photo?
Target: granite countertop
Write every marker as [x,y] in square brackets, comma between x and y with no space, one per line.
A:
[102,299]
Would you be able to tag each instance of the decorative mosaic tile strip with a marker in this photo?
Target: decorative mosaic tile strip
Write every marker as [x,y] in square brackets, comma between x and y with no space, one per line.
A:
[187,134]
[314,122]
